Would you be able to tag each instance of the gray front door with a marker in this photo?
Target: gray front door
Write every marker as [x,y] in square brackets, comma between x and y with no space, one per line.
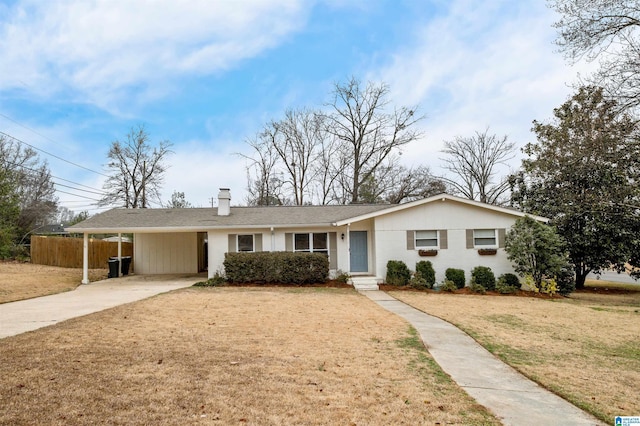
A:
[359,257]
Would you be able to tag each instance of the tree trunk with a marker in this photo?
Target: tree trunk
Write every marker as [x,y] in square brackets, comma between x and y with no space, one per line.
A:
[581,276]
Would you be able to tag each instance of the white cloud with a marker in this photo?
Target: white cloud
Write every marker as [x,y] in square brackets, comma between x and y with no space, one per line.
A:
[481,64]
[102,48]
[199,169]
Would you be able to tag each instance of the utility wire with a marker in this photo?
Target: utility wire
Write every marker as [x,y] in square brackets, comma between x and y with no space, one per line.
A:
[93,190]
[78,189]
[48,153]
[79,196]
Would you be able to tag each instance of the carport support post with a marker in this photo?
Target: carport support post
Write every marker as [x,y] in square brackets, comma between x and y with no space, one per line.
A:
[210,255]
[119,254]
[85,259]
[348,247]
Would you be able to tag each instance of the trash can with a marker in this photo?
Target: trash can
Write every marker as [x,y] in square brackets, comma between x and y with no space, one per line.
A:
[126,263]
[114,265]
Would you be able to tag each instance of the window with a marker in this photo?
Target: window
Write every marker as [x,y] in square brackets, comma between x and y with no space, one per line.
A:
[311,243]
[426,239]
[245,243]
[484,238]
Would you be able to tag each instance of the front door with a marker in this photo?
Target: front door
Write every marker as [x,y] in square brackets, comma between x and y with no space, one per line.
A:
[359,257]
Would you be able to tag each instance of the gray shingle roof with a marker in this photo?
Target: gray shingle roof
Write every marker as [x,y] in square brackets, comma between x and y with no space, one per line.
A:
[207,218]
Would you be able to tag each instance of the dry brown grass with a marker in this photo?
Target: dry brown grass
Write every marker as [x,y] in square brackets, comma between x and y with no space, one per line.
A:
[20,280]
[586,348]
[229,356]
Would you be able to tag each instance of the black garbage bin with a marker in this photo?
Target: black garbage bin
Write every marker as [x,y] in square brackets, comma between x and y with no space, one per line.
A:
[114,265]
[126,263]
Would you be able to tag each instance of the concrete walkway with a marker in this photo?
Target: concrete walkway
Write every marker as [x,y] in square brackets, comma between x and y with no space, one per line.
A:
[31,314]
[510,396]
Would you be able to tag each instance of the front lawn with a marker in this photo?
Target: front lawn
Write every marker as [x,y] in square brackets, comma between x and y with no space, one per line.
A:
[585,348]
[19,280]
[231,356]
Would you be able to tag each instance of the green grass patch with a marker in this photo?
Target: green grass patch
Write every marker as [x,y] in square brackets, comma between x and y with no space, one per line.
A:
[420,359]
[510,321]
[506,353]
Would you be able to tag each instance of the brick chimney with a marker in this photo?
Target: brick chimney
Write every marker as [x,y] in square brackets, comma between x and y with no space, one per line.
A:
[224,202]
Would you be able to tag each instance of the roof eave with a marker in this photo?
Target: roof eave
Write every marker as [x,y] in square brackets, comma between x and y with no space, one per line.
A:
[151,230]
[441,197]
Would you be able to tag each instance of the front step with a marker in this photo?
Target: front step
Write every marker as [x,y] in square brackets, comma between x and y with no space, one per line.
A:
[365,283]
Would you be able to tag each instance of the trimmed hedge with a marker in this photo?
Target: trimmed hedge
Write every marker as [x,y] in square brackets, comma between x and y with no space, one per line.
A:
[425,268]
[484,276]
[397,273]
[457,276]
[276,268]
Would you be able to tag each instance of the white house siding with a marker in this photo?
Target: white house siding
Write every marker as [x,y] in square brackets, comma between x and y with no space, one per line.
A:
[218,243]
[168,253]
[456,218]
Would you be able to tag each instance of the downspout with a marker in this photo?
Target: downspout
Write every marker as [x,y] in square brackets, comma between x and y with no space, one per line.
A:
[85,259]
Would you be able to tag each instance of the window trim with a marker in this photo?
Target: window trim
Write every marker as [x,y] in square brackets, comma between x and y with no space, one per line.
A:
[486,246]
[311,249]
[253,243]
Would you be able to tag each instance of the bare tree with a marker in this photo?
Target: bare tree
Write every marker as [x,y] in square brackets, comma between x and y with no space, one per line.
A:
[137,170]
[474,163]
[264,186]
[608,31]
[394,183]
[297,139]
[369,132]
[331,163]
[32,183]
[413,183]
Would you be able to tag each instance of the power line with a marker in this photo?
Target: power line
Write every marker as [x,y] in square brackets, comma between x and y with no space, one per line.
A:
[93,190]
[78,189]
[48,153]
[79,196]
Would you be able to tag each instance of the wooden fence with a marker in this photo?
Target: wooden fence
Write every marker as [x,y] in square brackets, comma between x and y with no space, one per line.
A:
[67,252]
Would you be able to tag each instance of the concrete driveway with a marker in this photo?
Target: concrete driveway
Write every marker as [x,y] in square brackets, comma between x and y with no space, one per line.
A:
[31,314]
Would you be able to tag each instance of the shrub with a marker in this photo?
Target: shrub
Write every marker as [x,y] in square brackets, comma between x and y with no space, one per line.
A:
[477,288]
[342,277]
[397,273]
[276,267]
[484,276]
[536,249]
[509,279]
[216,281]
[457,276]
[417,281]
[546,286]
[448,285]
[508,283]
[549,286]
[566,281]
[425,268]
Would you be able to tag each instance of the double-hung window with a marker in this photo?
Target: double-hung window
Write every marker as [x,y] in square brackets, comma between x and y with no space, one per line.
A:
[485,238]
[313,242]
[426,239]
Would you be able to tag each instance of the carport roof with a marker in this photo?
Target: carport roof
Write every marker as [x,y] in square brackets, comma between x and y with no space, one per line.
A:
[150,220]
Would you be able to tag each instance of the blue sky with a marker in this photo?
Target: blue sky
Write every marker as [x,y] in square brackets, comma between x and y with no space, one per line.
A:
[208,74]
